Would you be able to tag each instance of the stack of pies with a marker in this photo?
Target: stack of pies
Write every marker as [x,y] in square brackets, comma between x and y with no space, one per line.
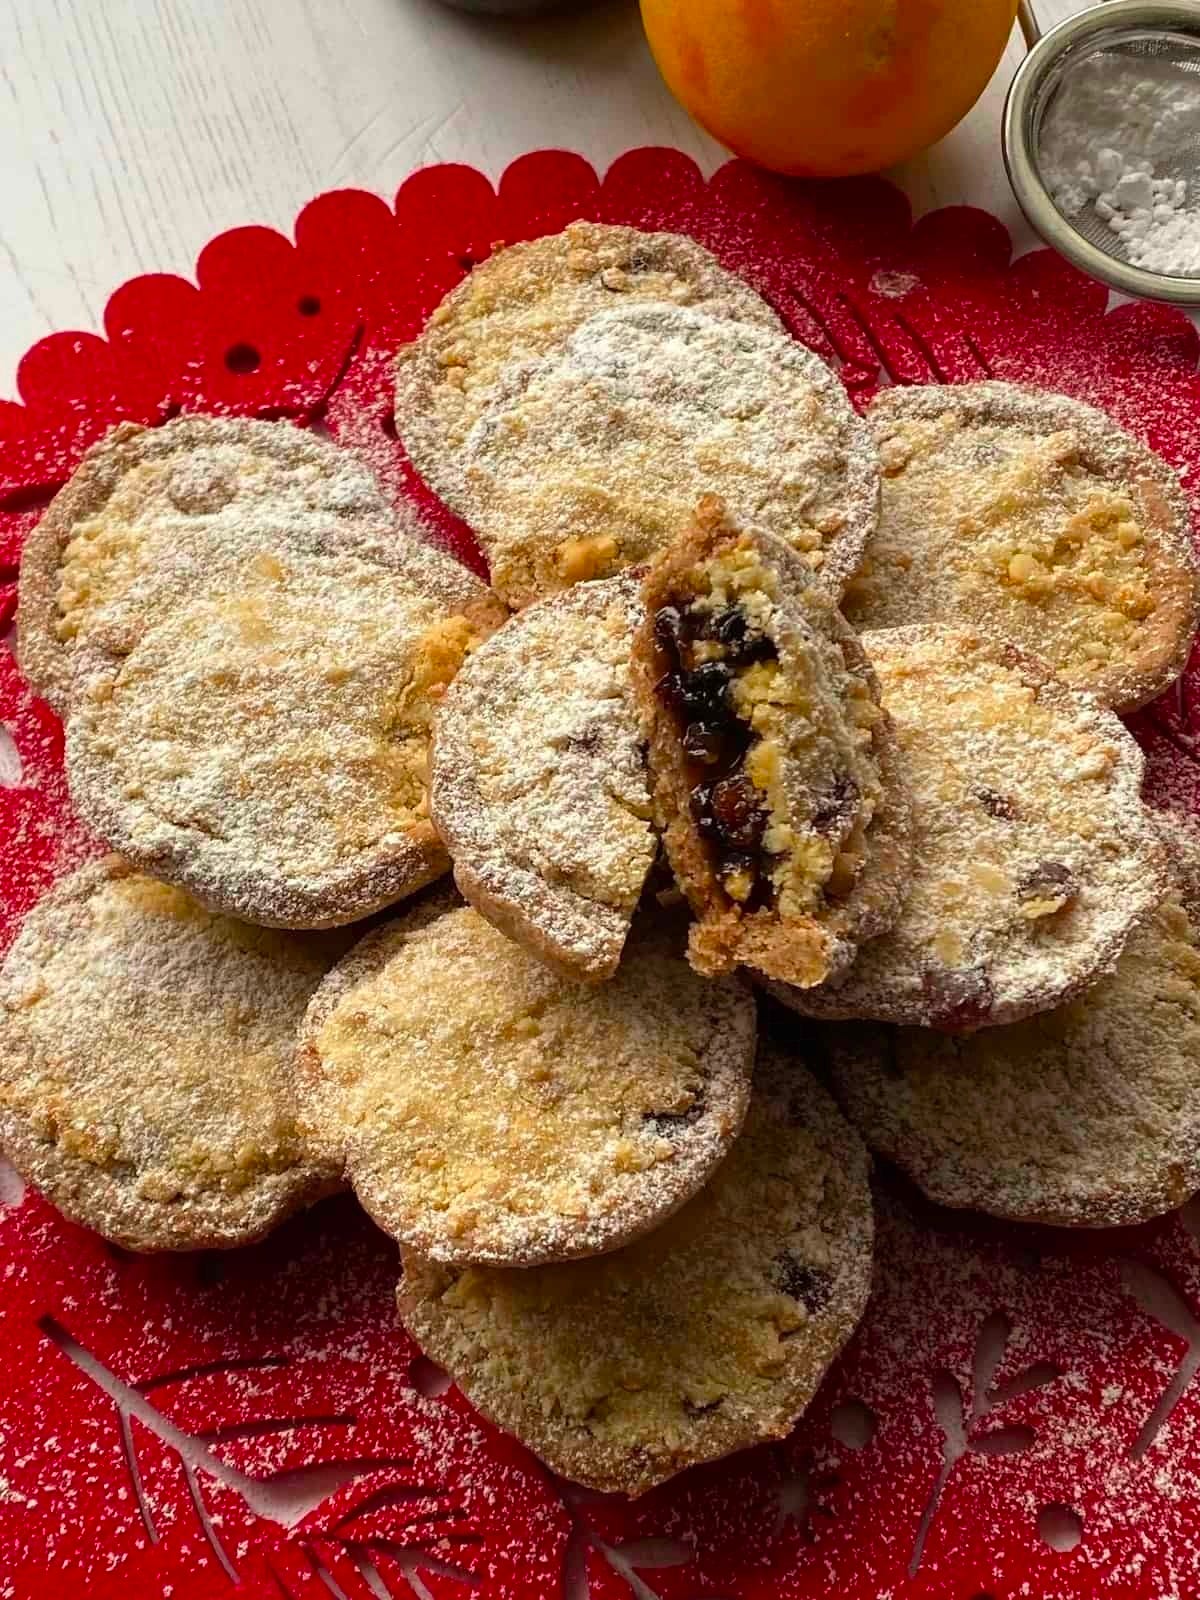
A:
[779,770]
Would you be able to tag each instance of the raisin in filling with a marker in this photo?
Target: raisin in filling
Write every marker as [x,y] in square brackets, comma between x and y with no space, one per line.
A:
[811,1287]
[697,689]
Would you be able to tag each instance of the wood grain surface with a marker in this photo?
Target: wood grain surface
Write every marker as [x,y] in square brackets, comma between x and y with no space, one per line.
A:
[131,131]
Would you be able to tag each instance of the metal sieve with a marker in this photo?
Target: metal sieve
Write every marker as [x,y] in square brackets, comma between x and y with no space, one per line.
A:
[1165,32]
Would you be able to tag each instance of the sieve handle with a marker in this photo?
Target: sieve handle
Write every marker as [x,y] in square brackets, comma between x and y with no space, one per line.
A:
[1030,26]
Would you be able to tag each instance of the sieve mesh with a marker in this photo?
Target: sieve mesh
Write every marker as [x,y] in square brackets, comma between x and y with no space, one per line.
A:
[1173,52]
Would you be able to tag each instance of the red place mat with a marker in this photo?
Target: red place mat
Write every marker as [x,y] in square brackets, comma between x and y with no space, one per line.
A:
[1017,1416]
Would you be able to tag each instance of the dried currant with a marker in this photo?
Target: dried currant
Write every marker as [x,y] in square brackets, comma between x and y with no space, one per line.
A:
[731,628]
[669,1123]
[701,803]
[1049,880]
[706,692]
[809,1286]
[735,863]
[704,742]
[699,696]
[669,690]
[729,812]
[755,647]
[995,804]
[669,630]
[737,808]
[727,627]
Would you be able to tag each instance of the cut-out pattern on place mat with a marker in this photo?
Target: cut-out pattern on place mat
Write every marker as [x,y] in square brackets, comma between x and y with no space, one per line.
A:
[1019,1414]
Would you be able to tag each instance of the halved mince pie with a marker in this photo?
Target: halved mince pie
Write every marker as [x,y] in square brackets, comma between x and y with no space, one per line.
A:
[538,778]
[771,759]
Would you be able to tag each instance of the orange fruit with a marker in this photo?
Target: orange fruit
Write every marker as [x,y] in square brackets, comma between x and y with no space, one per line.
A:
[827,88]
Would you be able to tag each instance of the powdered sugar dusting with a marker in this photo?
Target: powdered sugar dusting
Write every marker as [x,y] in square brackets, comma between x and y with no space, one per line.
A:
[287,1365]
[488,1110]
[524,301]
[144,1055]
[1120,135]
[709,1335]
[1081,1116]
[807,1517]
[1038,518]
[171,509]
[266,745]
[538,784]
[1033,855]
[594,457]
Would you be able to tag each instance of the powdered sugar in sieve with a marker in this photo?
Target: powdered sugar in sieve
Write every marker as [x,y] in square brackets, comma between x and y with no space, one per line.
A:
[1102,139]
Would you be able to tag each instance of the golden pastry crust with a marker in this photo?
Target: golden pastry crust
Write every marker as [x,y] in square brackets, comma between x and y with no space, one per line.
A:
[1034,857]
[167,509]
[817,856]
[525,300]
[591,458]
[1038,518]
[145,1054]
[538,781]
[709,1335]
[487,1109]
[266,746]
[1086,1116]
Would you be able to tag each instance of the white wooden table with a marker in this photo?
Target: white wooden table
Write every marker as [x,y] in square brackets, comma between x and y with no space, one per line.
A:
[131,131]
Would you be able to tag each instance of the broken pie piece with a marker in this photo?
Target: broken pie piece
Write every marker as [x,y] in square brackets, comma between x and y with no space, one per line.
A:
[1034,857]
[707,1336]
[772,764]
[538,781]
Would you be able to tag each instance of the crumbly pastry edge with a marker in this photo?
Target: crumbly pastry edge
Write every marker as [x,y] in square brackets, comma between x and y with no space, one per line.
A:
[861,496]
[873,906]
[242,890]
[581,937]
[45,662]
[729,1059]
[728,940]
[610,1470]
[85,1195]
[260,898]
[828,1002]
[869,1043]
[577,937]
[418,372]
[1113,454]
